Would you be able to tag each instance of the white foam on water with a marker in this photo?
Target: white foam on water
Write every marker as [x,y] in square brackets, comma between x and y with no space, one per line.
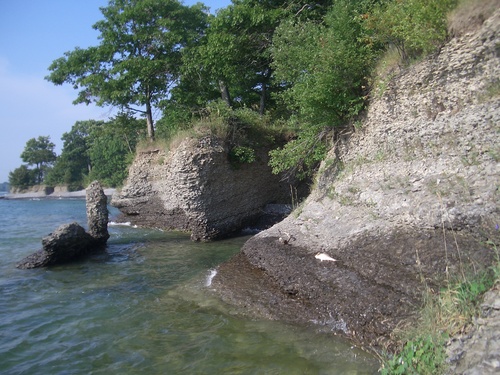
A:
[126,224]
[210,277]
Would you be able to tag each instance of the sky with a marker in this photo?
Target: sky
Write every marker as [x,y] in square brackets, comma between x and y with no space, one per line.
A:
[33,33]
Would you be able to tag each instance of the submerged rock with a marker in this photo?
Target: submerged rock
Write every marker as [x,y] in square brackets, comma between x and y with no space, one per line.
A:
[70,241]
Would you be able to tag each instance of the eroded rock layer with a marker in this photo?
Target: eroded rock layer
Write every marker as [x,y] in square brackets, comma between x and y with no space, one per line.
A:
[196,188]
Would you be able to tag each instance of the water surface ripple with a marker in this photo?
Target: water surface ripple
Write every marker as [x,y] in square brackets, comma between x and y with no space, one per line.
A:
[142,306]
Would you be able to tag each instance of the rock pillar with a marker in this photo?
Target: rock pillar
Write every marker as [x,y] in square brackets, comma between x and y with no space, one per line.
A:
[70,241]
[97,212]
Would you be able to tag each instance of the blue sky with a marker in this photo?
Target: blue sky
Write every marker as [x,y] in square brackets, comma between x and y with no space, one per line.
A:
[33,33]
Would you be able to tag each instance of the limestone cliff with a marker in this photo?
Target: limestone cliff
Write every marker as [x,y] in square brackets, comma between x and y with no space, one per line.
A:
[196,188]
[408,200]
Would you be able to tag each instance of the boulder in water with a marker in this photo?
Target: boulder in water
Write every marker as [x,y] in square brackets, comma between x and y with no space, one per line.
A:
[66,243]
[71,241]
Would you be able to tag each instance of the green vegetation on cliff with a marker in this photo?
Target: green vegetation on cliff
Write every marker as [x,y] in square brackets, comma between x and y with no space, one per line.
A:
[305,66]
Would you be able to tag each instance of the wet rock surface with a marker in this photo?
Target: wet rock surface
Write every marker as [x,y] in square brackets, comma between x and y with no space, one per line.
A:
[70,241]
[400,204]
[66,243]
[375,282]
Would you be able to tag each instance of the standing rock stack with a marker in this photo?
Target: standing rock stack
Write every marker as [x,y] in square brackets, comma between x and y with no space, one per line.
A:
[70,241]
[97,212]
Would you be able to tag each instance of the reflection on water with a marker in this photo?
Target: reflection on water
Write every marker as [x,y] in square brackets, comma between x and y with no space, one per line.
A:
[143,306]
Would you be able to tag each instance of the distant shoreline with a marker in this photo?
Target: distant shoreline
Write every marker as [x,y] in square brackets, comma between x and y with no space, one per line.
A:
[56,195]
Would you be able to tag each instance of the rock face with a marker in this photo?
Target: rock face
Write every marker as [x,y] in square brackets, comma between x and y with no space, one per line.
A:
[70,241]
[41,190]
[477,352]
[403,204]
[97,212]
[196,188]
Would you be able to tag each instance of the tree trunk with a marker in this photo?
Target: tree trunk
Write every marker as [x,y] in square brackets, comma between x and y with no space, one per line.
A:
[149,122]
[263,93]
[224,91]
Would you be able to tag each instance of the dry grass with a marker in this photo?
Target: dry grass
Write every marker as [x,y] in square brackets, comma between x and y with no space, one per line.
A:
[388,65]
[145,146]
[469,15]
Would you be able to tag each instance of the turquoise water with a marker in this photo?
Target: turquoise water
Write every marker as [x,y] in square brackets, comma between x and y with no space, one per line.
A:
[142,306]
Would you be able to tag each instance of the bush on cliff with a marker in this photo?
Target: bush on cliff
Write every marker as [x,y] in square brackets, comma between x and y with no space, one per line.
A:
[242,130]
[414,27]
[324,67]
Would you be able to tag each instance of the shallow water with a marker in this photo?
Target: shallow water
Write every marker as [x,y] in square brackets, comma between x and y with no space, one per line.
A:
[142,306]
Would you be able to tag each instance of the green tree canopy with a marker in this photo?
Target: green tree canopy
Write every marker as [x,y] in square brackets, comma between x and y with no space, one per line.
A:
[74,164]
[414,27]
[324,68]
[234,58]
[97,150]
[112,149]
[22,177]
[138,59]
[40,152]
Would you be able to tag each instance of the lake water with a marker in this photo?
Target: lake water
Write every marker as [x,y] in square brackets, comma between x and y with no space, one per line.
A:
[144,306]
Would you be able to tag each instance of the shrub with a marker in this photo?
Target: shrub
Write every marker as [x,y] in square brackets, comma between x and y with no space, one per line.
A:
[241,154]
[324,69]
[414,27]
[22,177]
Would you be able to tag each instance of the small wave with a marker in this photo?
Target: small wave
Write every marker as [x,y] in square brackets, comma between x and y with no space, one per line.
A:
[126,224]
[210,277]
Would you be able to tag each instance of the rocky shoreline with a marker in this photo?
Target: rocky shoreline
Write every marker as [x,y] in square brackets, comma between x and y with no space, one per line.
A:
[70,242]
[80,194]
[478,351]
[195,187]
[402,204]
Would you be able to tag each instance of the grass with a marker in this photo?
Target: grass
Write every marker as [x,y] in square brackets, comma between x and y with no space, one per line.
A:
[492,91]
[443,315]
[242,130]
[387,67]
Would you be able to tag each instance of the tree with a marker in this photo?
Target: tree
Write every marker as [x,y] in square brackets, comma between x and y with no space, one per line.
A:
[138,59]
[39,152]
[22,177]
[97,150]
[323,68]
[74,164]
[234,57]
[112,149]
